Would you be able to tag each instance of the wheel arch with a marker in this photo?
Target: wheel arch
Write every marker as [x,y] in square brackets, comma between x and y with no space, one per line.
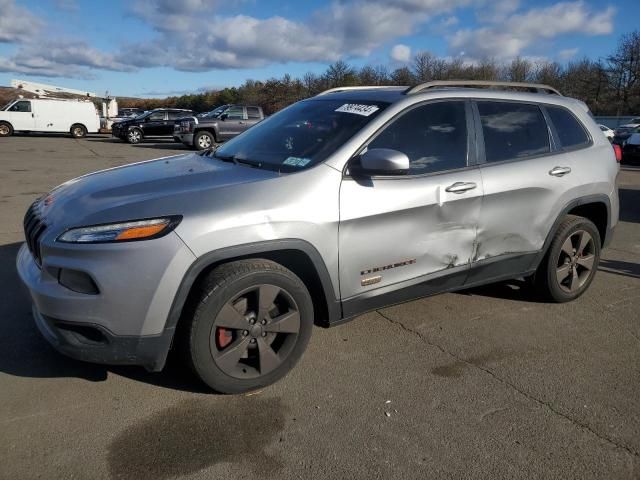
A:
[78,124]
[596,208]
[298,256]
[212,130]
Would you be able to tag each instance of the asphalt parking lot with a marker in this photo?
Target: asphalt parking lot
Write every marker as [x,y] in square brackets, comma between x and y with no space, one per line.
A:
[487,383]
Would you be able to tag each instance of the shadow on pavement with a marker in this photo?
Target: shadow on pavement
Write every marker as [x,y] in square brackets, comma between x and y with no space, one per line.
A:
[520,290]
[24,353]
[618,267]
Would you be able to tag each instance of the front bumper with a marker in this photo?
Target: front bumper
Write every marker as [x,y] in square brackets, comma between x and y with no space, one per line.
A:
[95,344]
[125,322]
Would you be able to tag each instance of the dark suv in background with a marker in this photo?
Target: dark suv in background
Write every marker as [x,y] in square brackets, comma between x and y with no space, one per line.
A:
[154,123]
[219,125]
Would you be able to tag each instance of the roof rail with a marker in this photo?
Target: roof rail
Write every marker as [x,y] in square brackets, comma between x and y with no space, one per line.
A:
[534,87]
[345,89]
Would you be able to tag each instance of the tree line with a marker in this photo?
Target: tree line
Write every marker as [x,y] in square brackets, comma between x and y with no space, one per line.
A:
[610,86]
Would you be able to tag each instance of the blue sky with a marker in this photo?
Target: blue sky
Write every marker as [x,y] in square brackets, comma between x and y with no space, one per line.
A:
[164,47]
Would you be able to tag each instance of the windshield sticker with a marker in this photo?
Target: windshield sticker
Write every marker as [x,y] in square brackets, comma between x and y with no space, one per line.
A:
[358,109]
[296,162]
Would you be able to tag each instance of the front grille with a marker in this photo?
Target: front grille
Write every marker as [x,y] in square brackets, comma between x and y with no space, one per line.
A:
[34,227]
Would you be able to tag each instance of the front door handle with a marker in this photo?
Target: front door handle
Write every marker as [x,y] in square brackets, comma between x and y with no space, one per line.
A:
[559,171]
[460,187]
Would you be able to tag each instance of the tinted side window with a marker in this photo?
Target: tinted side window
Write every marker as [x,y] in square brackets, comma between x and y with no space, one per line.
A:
[433,136]
[253,112]
[570,131]
[513,130]
[156,117]
[23,106]
[235,113]
[176,115]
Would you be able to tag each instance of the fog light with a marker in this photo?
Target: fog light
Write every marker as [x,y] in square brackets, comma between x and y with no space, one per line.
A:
[77,281]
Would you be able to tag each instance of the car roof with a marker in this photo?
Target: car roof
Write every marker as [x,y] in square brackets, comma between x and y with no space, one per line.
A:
[397,94]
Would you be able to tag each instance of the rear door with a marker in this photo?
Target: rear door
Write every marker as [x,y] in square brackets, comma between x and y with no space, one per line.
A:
[401,236]
[234,122]
[253,117]
[527,177]
[22,116]
[172,116]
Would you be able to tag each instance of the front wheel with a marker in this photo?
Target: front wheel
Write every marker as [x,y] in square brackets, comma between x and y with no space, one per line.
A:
[203,140]
[5,129]
[571,262]
[134,135]
[248,325]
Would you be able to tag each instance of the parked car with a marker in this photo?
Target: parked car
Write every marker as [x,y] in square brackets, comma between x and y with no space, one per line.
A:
[76,117]
[153,123]
[631,147]
[343,203]
[608,132]
[221,124]
[623,133]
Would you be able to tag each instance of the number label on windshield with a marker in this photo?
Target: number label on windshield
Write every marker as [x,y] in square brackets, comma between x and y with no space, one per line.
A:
[358,109]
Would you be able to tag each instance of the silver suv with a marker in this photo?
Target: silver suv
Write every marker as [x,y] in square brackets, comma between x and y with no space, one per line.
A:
[343,203]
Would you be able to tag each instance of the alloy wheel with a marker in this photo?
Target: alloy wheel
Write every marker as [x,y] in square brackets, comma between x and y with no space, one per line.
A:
[4,130]
[255,331]
[575,261]
[204,141]
[134,136]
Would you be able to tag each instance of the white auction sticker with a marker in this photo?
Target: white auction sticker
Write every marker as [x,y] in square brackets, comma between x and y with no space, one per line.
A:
[358,109]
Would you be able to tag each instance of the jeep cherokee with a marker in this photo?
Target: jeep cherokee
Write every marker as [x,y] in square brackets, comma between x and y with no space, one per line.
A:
[339,204]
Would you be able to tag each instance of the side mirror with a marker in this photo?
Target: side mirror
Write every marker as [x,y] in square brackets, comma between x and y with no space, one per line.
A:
[384,161]
[224,116]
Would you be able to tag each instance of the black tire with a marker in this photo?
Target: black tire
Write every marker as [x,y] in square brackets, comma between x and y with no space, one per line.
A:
[226,333]
[203,140]
[6,130]
[134,135]
[568,267]
[78,131]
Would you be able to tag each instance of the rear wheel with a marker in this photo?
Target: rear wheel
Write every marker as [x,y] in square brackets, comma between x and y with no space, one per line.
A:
[78,131]
[203,140]
[6,130]
[134,135]
[248,326]
[569,266]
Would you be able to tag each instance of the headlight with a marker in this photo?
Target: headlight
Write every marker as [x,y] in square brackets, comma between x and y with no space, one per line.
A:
[121,232]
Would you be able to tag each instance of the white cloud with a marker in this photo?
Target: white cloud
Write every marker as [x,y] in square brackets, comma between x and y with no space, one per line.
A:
[401,53]
[519,31]
[17,24]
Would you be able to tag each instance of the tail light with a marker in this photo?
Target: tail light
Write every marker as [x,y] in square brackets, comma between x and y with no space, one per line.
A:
[617,149]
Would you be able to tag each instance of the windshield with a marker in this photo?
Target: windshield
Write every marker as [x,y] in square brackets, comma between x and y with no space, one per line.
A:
[302,135]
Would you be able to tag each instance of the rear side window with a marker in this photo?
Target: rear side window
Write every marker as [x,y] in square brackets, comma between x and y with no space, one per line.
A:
[570,131]
[433,136]
[253,112]
[175,115]
[513,130]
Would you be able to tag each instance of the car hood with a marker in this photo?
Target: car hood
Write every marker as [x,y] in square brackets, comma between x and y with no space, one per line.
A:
[167,186]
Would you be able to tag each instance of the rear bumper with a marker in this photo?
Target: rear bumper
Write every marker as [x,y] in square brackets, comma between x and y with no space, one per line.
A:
[186,138]
[93,343]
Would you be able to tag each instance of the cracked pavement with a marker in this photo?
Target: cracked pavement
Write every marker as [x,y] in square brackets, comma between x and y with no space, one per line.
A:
[485,383]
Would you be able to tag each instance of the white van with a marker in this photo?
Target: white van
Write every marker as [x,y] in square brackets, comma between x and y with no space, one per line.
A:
[77,117]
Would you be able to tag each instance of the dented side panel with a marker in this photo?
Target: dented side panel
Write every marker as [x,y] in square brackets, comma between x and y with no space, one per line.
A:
[402,228]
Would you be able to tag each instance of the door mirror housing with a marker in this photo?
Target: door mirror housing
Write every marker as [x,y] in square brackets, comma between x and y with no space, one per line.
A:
[384,161]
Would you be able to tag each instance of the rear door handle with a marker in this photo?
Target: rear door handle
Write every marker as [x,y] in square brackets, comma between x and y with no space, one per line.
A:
[559,171]
[460,187]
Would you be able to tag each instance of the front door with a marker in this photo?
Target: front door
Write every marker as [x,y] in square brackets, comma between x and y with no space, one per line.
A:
[234,122]
[22,116]
[155,124]
[403,237]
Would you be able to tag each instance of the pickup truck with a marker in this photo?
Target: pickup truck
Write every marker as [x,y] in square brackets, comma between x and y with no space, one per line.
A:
[221,124]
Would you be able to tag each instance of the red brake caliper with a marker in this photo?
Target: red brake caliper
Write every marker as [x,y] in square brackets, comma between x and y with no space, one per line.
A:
[225,337]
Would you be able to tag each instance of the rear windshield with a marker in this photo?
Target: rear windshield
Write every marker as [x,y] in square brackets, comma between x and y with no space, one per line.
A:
[302,135]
